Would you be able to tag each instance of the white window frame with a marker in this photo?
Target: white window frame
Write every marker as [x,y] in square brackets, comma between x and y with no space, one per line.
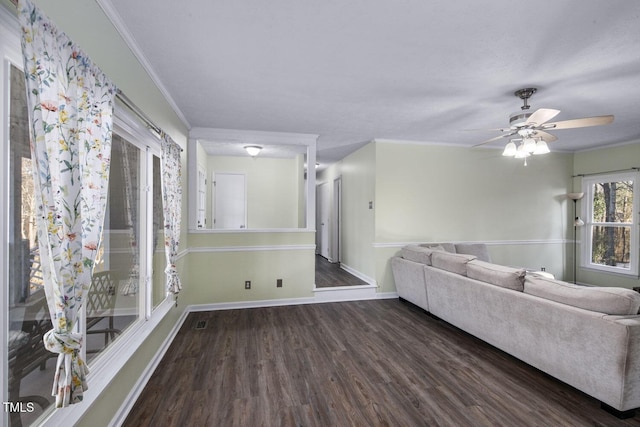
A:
[10,54]
[106,365]
[587,215]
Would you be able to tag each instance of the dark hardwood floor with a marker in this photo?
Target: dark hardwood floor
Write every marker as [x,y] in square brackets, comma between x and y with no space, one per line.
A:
[364,363]
[330,275]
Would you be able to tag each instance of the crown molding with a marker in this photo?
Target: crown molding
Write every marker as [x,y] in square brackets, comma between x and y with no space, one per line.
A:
[115,18]
[253,136]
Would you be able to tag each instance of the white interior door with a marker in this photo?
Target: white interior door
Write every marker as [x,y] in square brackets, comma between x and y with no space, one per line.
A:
[324,205]
[202,197]
[336,232]
[230,201]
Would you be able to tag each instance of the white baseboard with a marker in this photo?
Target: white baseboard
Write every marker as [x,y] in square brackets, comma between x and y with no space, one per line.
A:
[345,293]
[249,304]
[387,295]
[359,275]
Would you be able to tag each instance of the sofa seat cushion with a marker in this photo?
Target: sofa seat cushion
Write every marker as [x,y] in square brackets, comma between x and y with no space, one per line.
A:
[607,300]
[499,275]
[418,253]
[455,263]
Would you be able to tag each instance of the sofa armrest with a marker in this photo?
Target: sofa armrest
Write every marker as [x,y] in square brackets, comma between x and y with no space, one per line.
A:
[409,280]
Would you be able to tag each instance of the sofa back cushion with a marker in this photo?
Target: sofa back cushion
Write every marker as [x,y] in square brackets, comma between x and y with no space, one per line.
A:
[417,253]
[455,263]
[480,250]
[605,300]
[446,246]
[506,277]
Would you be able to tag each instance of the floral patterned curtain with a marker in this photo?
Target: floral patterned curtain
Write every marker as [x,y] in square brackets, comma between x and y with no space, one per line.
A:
[172,202]
[70,105]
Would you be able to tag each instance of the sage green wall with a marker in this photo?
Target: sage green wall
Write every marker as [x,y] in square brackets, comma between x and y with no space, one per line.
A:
[272,188]
[219,263]
[302,191]
[358,171]
[438,193]
[602,161]
[430,193]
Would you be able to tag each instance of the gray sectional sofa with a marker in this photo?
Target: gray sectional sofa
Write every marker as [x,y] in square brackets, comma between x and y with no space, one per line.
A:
[588,337]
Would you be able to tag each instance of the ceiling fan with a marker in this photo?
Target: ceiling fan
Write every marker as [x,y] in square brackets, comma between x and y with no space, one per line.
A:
[530,128]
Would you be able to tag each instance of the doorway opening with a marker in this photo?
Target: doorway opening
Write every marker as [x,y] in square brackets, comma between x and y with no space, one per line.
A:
[329,271]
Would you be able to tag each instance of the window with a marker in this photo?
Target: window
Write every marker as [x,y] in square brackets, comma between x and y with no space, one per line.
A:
[129,279]
[611,223]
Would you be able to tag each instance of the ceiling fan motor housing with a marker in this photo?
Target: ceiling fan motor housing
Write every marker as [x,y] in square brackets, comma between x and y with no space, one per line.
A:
[518,119]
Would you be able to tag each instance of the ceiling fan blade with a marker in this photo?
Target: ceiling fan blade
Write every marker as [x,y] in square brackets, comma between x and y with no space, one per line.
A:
[494,139]
[580,123]
[541,115]
[488,130]
[546,137]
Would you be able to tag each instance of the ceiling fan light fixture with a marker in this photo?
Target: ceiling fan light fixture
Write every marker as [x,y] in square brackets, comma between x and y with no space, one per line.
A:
[510,149]
[521,153]
[529,145]
[541,148]
[253,150]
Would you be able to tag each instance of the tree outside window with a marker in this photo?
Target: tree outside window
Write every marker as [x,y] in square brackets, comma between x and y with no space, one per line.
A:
[611,227]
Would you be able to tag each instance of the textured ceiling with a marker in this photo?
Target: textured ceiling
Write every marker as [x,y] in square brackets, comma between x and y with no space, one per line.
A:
[405,70]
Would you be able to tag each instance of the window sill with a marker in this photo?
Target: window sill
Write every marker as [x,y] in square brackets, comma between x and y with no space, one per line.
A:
[610,271]
[105,367]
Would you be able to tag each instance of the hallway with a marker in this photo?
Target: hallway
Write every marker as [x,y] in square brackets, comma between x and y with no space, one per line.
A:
[330,275]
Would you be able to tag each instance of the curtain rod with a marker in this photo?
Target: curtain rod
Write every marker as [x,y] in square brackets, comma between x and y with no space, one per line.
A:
[601,173]
[131,106]
[134,108]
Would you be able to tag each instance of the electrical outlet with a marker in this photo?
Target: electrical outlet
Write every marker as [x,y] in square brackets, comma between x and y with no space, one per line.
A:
[279,283]
[247,284]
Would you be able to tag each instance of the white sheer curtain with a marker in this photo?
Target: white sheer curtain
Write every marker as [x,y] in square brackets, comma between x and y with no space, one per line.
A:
[70,104]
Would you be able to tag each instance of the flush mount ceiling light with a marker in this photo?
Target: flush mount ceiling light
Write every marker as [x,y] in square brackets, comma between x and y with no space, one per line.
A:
[253,150]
